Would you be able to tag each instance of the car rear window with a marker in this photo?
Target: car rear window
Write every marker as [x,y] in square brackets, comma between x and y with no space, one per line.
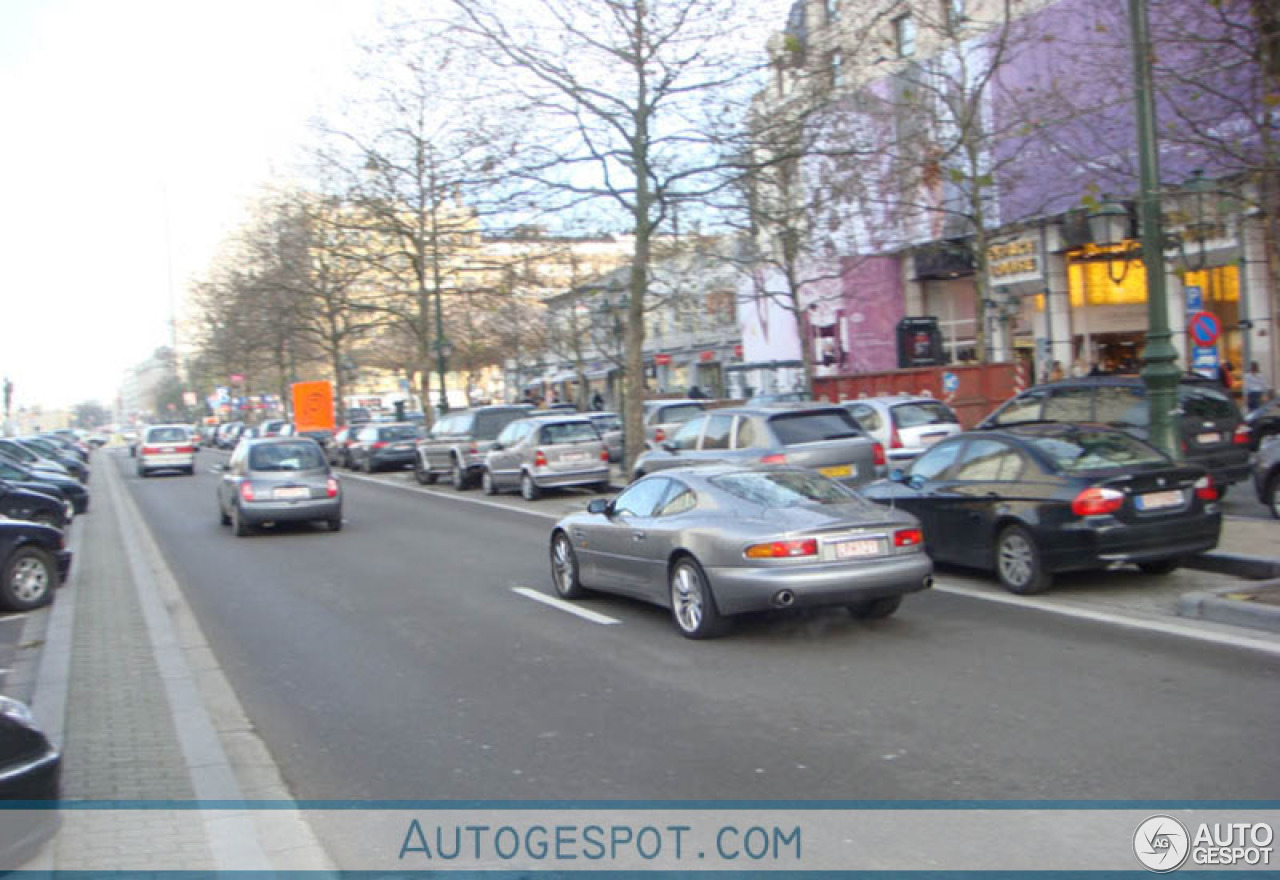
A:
[286,457]
[1205,402]
[399,432]
[678,414]
[167,435]
[784,488]
[922,412]
[793,429]
[1079,451]
[569,432]
[490,424]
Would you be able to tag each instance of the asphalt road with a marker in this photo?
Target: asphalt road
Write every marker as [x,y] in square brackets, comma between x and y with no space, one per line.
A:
[394,660]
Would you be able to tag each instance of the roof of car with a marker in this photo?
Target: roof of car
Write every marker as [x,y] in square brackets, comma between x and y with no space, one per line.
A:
[892,399]
[1120,379]
[542,417]
[778,409]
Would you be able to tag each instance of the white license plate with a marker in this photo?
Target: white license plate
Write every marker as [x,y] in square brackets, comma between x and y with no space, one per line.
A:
[1160,500]
[839,470]
[292,493]
[858,548]
[401,447]
[1208,437]
[574,456]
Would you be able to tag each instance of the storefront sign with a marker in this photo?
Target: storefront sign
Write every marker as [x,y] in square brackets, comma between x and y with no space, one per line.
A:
[707,356]
[662,360]
[1015,261]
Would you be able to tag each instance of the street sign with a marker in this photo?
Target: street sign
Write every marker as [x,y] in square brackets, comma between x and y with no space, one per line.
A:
[950,382]
[313,406]
[1195,299]
[1205,361]
[1204,328]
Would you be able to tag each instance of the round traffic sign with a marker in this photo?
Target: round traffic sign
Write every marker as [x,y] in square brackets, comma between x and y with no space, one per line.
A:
[1204,328]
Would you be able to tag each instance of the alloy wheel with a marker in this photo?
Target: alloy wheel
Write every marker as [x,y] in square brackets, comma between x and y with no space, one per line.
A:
[1016,559]
[30,580]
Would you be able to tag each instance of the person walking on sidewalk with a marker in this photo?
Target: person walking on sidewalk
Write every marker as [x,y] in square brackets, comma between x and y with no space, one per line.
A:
[1255,387]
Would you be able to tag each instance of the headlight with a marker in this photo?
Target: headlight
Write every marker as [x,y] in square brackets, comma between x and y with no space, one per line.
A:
[18,712]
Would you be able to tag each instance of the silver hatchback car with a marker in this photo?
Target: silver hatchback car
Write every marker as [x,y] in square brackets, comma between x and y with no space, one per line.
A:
[278,479]
[904,426]
[547,452]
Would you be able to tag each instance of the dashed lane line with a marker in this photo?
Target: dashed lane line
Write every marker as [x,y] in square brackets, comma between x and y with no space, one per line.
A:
[562,605]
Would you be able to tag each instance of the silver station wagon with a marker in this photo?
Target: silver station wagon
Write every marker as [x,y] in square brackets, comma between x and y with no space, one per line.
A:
[712,542]
[825,438]
[547,452]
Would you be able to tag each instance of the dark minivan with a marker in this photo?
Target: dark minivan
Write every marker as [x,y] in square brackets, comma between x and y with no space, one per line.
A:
[1210,430]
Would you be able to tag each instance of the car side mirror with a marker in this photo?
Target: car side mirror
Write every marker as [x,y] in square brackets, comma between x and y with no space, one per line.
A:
[898,475]
[599,506]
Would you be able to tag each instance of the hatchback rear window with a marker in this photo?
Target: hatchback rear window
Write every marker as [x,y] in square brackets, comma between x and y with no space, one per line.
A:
[569,432]
[793,429]
[1078,451]
[920,413]
[1205,402]
[399,432]
[167,435]
[490,424]
[286,457]
[678,414]
[784,488]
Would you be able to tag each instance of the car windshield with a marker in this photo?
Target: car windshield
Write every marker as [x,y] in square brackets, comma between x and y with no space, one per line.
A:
[569,432]
[286,457]
[784,488]
[398,432]
[793,429]
[923,412]
[166,435]
[1078,451]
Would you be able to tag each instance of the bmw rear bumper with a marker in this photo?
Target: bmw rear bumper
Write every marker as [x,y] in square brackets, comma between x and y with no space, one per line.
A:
[1088,545]
[742,589]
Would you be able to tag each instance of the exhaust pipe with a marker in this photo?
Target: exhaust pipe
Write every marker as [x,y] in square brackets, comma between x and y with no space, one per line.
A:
[784,599]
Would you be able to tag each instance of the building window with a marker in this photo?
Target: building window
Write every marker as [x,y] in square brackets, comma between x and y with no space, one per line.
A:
[953,13]
[836,69]
[904,35]
[833,11]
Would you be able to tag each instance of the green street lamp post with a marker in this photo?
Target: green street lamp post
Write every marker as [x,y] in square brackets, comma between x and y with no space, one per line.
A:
[1159,370]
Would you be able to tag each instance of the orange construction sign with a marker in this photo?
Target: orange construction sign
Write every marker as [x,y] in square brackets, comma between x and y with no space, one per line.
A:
[313,406]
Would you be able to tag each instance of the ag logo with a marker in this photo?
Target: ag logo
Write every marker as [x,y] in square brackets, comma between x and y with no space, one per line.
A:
[1161,844]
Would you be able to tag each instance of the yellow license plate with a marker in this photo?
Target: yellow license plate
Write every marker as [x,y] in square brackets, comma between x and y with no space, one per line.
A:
[839,470]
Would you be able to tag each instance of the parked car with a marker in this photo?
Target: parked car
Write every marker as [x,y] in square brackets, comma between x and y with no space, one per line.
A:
[1209,426]
[609,425]
[1263,422]
[339,451]
[378,446]
[546,452]
[1266,476]
[275,428]
[780,397]
[69,488]
[46,450]
[712,542]
[13,450]
[662,418]
[32,506]
[825,438]
[904,426]
[228,435]
[30,770]
[68,443]
[458,442]
[166,448]
[1031,501]
[33,562]
[323,436]
[278,479]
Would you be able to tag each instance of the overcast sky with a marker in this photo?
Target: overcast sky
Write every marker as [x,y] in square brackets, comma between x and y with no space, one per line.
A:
[134,133]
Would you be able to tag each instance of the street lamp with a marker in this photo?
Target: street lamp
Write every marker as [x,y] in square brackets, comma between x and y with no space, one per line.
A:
[443,350]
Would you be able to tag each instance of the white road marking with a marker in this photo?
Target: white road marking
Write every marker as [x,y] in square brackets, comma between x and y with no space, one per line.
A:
[9,617]
[564,606]
[1169,627]
[419,490]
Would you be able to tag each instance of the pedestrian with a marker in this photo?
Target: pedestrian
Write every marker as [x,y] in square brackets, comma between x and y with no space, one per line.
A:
[1255,387]
[597,401]
[1224,375]
[696,393]
[1055,372]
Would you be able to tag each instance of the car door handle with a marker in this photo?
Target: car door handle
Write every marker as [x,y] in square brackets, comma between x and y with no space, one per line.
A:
[638,536]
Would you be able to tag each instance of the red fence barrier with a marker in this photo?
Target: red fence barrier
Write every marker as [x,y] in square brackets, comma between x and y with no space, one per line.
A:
[980,388]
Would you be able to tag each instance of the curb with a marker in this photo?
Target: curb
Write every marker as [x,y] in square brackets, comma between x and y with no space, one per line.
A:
[1253,568]
[1219,606]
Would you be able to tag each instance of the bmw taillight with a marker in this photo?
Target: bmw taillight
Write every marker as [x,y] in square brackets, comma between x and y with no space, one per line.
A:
[331,487]
[1096,501]
[1242,435]
[246,491]
[877,453]
[774,458]
[539,459]
[908,538]
[1205,490]
[379,444]
[783,549]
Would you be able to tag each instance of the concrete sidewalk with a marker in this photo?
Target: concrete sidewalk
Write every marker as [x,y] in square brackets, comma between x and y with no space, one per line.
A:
[120,676]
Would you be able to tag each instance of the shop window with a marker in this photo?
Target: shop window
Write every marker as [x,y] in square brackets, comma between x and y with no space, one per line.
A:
[1095,282]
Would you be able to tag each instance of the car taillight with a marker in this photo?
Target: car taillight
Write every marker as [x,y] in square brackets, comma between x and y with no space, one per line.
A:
[1205,490]
[783,549]
[151,450]
[191,449]
[604,455]
[895,439]
[539,459]
[908,538]
[877,453]
[1242,436]
[331,486]
[1096,502]
[659,435]
[379,444]
[246,491]
[775,458]
[473,450]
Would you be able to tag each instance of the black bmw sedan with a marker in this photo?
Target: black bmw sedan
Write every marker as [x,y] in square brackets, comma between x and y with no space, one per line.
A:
[1034,500]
